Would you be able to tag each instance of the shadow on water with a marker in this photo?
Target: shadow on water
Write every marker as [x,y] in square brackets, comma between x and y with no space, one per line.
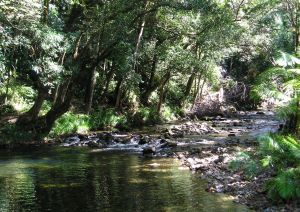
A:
[69,179]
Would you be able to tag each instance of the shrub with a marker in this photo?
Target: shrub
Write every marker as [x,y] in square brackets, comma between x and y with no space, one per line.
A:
[71,123]
[170,113]
[7,110]
[144,116]
[106,118]
[19,96]
[11,134]
[243,162]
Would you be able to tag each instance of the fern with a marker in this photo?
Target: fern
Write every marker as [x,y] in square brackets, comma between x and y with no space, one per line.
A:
[279,151]
[285,112]
[286,185]
[270,84]
[280,82]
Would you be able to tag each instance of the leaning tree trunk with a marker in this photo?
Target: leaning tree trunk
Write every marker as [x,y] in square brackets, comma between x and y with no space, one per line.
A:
[45,123]
[31,115]
[49,119]
[199,93]
[90,91]
[152,85]
[188,88]
[162,91]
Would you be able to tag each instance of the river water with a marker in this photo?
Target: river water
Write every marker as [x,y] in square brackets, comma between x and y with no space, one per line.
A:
[79,179]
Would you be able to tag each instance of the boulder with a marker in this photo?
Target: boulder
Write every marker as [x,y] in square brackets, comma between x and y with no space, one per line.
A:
[149,150]
[108,137]
[72,139]
[144,140]
[93,144]
[96,143]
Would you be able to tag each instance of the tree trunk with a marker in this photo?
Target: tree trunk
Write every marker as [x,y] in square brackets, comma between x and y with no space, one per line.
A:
[139,39]
[118,94]
[67,91]
[151,85]
[197,90]
[45,11]
[62,90]
[201,90]
[90,91]
[55,95]
[188,88]
[162,91]
[109,77]
[199,94]
[297,130]
[297,41]
[6,90]
[32,114]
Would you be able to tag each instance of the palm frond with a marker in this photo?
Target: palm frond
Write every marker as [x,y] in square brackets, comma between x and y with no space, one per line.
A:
[286,60]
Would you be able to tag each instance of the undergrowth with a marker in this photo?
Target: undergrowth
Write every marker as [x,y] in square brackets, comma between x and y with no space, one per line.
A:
[109,119]
[280,155]
[244,162]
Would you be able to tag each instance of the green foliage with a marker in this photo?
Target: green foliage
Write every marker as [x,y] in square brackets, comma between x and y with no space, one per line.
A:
[282,154]
[80,123]
[145,115]
[270,84]
[12,134]
[243,162]
[285,185]
[170,113]
[106,118]
[286,111]
[45,107]
[149,116]
[7,110]
[71,123]
[149,48]
[287,60]
[279,151]
[19,96]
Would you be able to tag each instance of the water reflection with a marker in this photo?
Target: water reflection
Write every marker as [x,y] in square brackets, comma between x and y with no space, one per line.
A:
[79,180]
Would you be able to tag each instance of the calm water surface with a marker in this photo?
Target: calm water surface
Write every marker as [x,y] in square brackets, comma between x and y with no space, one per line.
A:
[64,179]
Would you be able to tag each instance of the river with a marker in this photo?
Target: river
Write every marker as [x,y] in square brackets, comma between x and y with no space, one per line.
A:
[79,179]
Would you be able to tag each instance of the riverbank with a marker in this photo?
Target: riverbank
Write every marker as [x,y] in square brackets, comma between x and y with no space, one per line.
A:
[206,147]
[220,156]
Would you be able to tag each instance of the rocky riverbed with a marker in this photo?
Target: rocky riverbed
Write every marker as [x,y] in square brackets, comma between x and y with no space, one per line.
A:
[206,147]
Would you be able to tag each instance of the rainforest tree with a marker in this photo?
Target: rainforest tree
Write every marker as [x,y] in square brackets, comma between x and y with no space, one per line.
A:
[84,55]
